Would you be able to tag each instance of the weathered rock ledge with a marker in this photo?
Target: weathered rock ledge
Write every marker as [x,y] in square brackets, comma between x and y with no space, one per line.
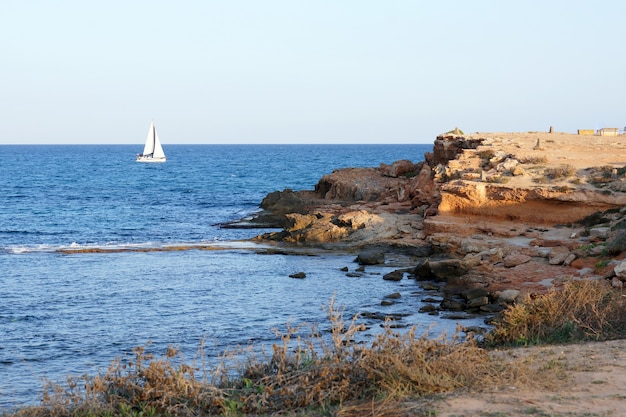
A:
[492,216]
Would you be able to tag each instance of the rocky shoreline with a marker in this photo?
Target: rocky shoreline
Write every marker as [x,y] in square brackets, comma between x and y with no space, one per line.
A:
[487,217]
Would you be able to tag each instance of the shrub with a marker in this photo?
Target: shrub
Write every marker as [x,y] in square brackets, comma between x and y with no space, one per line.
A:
[311,374]
[533,159]
[581,310]
[594,219]
[497,179]
[562,171]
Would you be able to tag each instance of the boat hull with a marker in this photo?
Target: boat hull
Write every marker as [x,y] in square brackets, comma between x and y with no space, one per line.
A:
[150,159]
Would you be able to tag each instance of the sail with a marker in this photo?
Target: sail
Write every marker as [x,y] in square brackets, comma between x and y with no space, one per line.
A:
[152,150]
[158,150]
[150,140]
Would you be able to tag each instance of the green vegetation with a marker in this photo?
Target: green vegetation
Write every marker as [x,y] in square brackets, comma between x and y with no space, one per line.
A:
[317,376]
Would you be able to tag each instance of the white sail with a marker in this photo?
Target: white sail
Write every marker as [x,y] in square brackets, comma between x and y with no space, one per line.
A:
[149,146]
[152,150]
[158,149]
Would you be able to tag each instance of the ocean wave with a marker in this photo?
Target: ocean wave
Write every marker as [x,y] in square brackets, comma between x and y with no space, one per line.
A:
[129,247]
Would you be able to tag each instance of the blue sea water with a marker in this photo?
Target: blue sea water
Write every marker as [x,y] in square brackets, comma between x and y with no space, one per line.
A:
[71,314]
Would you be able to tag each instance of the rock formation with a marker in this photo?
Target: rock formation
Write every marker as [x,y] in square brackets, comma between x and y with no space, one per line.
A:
[495,216]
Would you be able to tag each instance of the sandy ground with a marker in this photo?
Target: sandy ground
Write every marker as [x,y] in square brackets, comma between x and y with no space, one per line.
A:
[592,383]
[580,151]
[593,375]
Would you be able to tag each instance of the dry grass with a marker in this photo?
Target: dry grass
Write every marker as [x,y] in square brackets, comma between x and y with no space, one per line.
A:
[311,376]
[533,159]
[581,310]
[563,171]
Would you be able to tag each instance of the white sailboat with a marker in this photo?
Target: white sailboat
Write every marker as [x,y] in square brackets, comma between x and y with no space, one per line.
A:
[152,151]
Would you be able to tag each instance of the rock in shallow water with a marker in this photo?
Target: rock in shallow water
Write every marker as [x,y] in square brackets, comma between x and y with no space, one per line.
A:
[371,257]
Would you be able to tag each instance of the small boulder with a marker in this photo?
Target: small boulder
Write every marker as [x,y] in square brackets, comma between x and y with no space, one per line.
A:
[474,293]
[398,168]
[620,270]
[393,295]
[492,255]
[448,268]
[558,254]
[477,302]
[570,258]
[452,305]
[428,308]
[371,257]
[422,270]
[430,286]
[514,259]
[601,233]
[394,275]
[507,296]
[298,275]
[492,308]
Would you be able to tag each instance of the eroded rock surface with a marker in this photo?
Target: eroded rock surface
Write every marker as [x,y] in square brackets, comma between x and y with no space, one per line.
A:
[493,213]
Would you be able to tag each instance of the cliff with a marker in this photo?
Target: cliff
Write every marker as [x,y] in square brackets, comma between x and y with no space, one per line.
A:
[508,213]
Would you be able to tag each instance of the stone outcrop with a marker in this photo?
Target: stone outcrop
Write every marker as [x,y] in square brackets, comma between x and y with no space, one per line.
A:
[491,217]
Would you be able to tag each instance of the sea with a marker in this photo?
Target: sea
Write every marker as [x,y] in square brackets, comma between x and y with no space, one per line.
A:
[88,271]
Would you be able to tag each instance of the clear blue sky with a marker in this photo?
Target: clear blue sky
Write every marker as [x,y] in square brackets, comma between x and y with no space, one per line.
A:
[317,71]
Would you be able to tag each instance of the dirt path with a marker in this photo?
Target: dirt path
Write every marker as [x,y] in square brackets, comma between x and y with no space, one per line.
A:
[592,383]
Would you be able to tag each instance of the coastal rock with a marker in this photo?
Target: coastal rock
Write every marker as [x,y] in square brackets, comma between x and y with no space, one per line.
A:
[617,244]
[452,305]
[474,293]
[298,275]
[394,275]
[423,190]
[428,308]
[447,268]
[318,228]
[398,168]
[430,286]
[620,270]
[371,257]
[477,302]
[422,270]
[507,296]
[507,165]
[492,255]
[472,245]
[359,220]
[394,295]
[558,255]
[599,232]
[492,210]
[570,258]
[514,259]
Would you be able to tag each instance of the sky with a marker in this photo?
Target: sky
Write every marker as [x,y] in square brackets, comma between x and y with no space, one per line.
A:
[316,71]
